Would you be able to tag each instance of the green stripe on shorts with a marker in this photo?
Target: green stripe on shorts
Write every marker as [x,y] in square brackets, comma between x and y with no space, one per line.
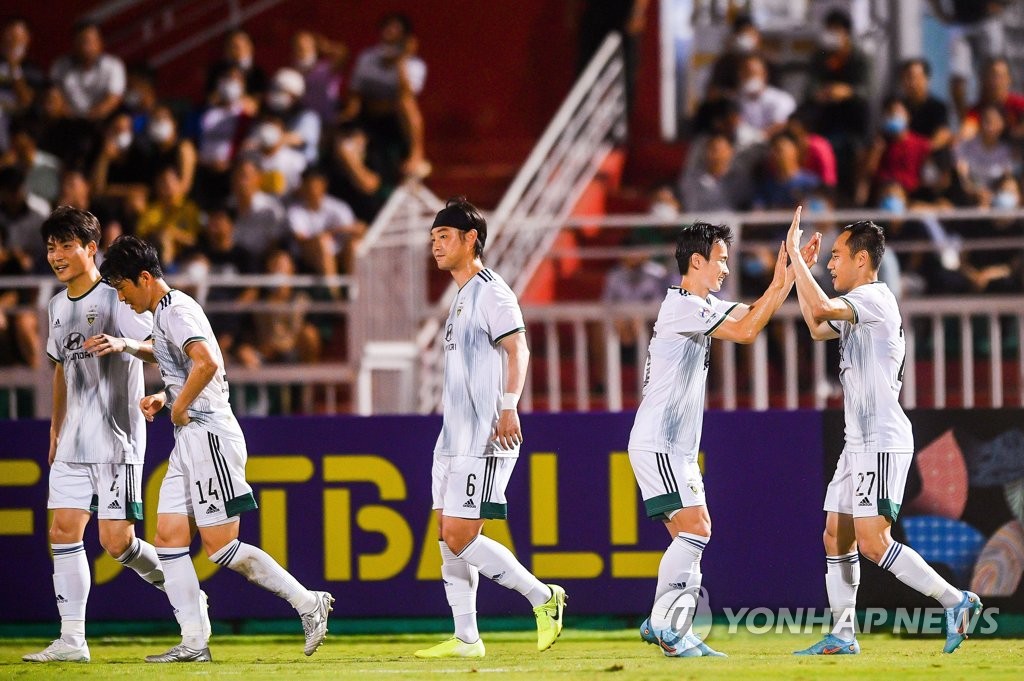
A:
[134,511]
[492,511]
[889,509]
[241,504]
[656,507]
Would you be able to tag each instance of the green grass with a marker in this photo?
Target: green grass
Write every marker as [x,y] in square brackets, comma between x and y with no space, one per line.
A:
[617,655]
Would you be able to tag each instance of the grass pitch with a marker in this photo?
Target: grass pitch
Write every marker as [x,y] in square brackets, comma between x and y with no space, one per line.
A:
[614,655]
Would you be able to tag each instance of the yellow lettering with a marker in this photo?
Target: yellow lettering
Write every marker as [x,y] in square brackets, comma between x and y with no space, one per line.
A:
[429,566]
[274,524]
[397,548]
[18,473]
[337,535]
[544,499]
[623,517]
[205,568]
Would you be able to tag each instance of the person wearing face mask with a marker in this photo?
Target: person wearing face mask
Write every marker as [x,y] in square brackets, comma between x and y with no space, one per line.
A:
[997,90]
[997,270]
[140,98]
[897,154]
[238,54]
[320,61]
[93,82]
[167,148]
[222,131]
[985,158]
[20,79]
[280,165]
[744,40]
[302,125]
[762,106]
[122,168]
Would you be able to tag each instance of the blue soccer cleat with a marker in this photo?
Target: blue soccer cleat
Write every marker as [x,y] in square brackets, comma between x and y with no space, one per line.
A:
[704,648]
[831,645]
[647,632]
[673,644]
[959,619]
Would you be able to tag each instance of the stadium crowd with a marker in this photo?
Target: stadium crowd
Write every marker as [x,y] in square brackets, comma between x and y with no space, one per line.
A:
[277,171]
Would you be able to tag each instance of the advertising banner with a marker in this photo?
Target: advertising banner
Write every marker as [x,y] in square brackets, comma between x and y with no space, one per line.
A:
[344,504]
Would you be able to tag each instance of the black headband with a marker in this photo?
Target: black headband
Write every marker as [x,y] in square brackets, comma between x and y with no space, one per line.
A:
[453,217]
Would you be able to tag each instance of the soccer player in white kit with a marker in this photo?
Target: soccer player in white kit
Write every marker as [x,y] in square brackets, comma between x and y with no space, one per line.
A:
[205,484]
[97,435]
[485,364]
[665,439]
[864,497]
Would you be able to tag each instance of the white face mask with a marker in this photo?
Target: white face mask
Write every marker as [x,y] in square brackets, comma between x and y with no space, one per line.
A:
[244,63]
[306,62]
[161,130]
[123,140]
[831,40]
[269,135]
[746,42]
[663,210]
[132,98]
[752,86]
[279,101]
[230,90]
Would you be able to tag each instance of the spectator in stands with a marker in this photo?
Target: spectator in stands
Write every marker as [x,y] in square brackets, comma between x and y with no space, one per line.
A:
[76,192]
[169,148]
[171,222]
[896,155]
[42,170]
[386,81]
[929,115]
[723,116]
[140,97]
[320,61]
[223,129]
[838,89]
[301,124]
[92,82]
[976,35]
[21,215]
[280,165]
[123,168]
[19,330]
[284,334]
[744,40]
[352,180]
[784,183]
[324,228]
[762,106]
[718,185]
[260,224]
[72,140]
[816,155]
[20,78]
[996,82]
[238,55]
[984,159]
[998,270]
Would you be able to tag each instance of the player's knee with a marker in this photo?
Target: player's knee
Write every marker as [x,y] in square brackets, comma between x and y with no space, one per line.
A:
[872,548]
[831,541]
[456,538]
[60,534]
[116,543]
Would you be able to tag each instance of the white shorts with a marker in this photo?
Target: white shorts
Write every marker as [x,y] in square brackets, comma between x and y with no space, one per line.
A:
[867,484]
[206,478]
[471,487]
[113,491]
[659,474]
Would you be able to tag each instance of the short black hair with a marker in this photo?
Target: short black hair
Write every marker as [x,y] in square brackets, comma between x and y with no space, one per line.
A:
[913,61]
[67,223]
[741,22]
[462,215]
[837,18]
[86,24]
[402,20]
[314,171]
[12,179]
[866,236]
[699,237]
[127,258]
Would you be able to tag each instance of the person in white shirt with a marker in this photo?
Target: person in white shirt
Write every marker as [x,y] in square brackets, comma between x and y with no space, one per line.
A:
[324,228]
[260,224]
[93,83]
[280,165]
[864,497]
[665,438]
[762,106]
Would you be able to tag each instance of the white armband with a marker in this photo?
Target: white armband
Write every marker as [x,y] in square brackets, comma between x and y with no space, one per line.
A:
[509,401]
[131,346]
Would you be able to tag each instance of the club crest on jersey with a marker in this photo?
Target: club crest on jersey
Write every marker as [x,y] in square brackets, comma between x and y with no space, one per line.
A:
[91,315]
[458,310]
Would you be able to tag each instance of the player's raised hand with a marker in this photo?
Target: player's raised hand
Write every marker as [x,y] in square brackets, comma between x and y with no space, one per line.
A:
[103,344]
[152,404]
[811,249]
[794,235]
[508,432]
[781,263]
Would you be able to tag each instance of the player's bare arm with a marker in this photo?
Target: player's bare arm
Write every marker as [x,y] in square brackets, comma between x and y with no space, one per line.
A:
[204,368]
[508,432]
[757,316]
[60,400]
[103,344]
[815,305]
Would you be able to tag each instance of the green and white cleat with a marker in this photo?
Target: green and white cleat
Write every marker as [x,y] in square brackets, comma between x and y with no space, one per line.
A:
[60,651]
[549,618]
[454,647]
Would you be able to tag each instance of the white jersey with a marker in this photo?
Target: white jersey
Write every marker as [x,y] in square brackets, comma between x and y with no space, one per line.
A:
[872,356]
[484,311]
[179,321]
[671,411]
[102,420]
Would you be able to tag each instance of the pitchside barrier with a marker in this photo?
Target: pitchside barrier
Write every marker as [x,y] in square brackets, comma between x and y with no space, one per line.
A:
[345,506]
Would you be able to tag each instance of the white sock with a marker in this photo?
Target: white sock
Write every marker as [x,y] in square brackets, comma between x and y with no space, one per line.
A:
[497,563]
[680,566]
[460,582]
[71,582]
[182,587]
[142,558]
[911,569]
[842,578]
[258,567]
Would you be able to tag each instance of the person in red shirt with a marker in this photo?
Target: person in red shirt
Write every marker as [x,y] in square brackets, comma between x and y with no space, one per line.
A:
[995,90]
[897,154]
[816,154]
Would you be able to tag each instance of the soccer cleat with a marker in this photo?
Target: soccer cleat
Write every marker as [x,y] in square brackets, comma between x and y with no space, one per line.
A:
[454,647]
[673,644]
[549,617]
[314,624]
[959,619]
[831,645]
[704,648]
[204,612]
[182,653]
[647,632]
[60,651]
